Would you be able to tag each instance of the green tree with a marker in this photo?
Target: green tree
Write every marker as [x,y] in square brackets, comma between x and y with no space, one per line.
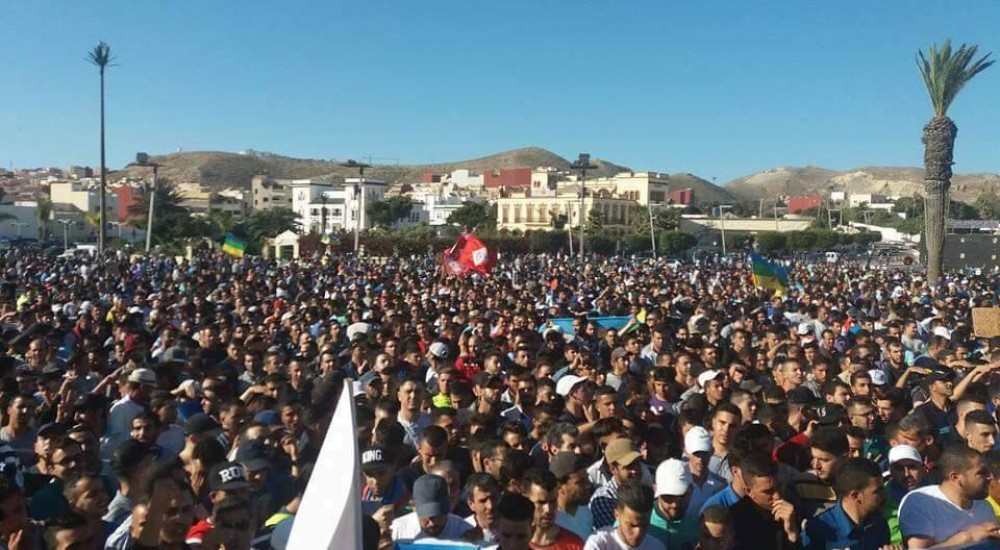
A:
[101,57]
[595,222]
[912,206]
[801,240]
[167,202]
[945,72]
[264,224]
[386,212]
[676,242]
[988,206]
[771,242]
[44,216]
[476,216]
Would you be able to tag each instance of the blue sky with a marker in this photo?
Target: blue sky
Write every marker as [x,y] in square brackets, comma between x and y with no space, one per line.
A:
[719,89]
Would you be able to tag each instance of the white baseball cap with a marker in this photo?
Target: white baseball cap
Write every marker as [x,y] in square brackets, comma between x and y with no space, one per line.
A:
[878,377]
[672,478]
[697,440]
[904,452]
[710,374]
[566,384]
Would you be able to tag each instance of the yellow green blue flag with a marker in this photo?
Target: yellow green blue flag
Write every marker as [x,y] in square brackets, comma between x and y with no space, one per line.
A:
[767,274]
[234,245]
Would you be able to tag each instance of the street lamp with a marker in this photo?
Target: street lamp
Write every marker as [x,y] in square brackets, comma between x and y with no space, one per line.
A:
[652,232]
[722,221]
[359,194]
[142,159]
[65,224]
[119,224]
[19,226]
[582,164]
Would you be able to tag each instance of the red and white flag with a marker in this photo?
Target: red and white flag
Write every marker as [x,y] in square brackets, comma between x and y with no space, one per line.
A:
[469,254]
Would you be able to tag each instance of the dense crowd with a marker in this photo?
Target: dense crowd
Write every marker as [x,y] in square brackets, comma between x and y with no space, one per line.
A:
[617,403]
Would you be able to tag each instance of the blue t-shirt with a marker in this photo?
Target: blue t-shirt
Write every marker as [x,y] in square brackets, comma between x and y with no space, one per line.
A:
[725,498]
[834,529]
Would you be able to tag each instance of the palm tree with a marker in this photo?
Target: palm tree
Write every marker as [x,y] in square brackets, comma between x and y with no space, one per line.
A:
[44,214]
[101,56]
[945,72]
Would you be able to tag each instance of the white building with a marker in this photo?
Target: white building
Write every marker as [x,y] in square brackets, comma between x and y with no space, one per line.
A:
[325,208]
[465,179]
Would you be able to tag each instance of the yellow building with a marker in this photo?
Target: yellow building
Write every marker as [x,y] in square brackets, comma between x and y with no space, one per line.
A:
[524,211]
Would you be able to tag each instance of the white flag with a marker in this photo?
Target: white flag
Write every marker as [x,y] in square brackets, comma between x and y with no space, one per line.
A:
[329,516]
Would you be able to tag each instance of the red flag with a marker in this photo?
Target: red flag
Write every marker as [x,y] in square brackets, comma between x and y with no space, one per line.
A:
[468,254]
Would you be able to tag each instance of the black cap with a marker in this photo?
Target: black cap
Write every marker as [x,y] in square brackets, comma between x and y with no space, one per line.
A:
[228,476]
[51,429]
[939,374]
[831,415]
[200,424]
[253,456]
[801,396]
[89,401]
[566,463]
[375,458]
[484,379]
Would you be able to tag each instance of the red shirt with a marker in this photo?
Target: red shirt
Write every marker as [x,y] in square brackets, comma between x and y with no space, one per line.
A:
[468,366]
[567,540]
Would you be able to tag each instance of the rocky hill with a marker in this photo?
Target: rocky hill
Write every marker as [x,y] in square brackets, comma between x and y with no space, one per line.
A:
[218,170]
[897,181]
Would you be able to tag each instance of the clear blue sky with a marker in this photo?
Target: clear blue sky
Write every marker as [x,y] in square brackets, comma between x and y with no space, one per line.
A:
[720,89]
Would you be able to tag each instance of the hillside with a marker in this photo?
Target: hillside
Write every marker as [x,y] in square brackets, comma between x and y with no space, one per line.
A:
[218,170]
[704,190]
[897,181]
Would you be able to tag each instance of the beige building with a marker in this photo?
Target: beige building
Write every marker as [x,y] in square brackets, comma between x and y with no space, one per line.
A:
[267,193]
[82,196]
[553,193]
[526,211]
[200,201]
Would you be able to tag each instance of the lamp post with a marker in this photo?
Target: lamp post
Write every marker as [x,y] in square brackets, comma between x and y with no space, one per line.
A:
[119,225]
[142,159]
[19,226]
[722,222]
[582,164]
[652,232]
[65,224]
[359,194]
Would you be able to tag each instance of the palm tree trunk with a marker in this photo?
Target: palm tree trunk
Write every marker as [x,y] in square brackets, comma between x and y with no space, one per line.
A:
[939,148]
[104,182]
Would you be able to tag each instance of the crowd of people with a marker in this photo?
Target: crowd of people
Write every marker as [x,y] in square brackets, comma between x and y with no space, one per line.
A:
[553,404]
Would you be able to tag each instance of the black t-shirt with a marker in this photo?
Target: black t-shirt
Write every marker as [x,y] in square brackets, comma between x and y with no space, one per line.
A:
[756,529]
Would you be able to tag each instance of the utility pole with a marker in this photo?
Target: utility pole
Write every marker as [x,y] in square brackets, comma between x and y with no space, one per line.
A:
[652,232]
[722,224]
[582,164]
[142,159]
[65,224]
[359,192]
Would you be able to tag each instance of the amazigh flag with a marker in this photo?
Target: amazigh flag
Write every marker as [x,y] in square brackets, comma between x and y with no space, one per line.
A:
[767,274]
[468,254]
[234,245]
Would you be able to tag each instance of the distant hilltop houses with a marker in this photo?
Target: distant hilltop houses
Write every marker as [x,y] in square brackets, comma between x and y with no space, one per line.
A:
[525,198]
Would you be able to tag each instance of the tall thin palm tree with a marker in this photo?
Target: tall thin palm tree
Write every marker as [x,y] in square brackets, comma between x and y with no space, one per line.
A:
[101,57]
[945,73]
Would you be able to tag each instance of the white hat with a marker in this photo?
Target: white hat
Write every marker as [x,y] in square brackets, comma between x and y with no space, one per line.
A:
[878,377]
[697,440]
[672,478]
[904,452]
[804,328]
[710,374]
[567,383]
[286,316]
[145,377]
[943,332]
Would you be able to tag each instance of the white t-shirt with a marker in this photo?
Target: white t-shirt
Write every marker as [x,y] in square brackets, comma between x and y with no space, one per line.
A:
[608,539]
[927,512]
[407,528]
